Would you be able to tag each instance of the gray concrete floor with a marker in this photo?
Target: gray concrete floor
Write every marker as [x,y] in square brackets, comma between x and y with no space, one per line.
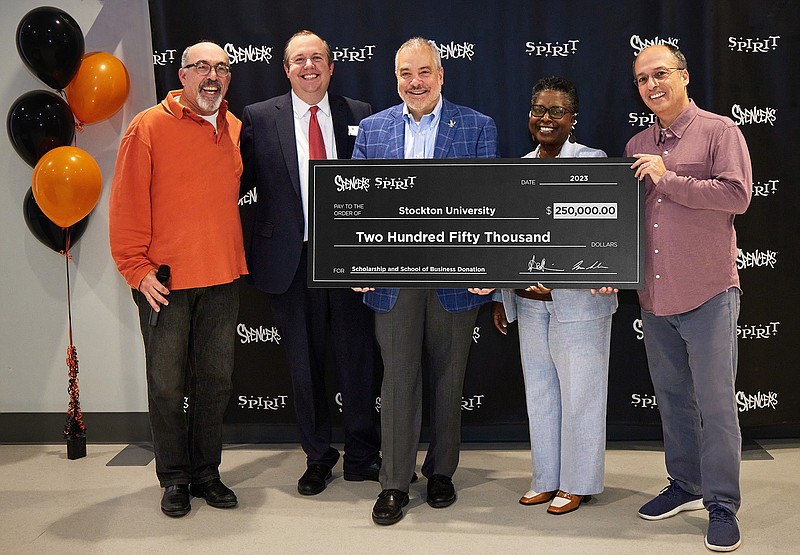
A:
[108,502]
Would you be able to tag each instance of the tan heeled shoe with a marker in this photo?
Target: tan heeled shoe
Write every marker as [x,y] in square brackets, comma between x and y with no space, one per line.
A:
[564,503]
[535,498]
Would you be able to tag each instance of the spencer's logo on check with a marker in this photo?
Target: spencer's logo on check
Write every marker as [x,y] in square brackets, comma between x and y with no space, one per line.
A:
[475,222]
[354,183]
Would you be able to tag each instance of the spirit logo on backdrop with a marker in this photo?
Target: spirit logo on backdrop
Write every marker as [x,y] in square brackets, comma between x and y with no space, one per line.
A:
[551,49]
[164,58]
[262,403]
[741,44]
[353,54]
[765,188]
[757,331]
[642,119]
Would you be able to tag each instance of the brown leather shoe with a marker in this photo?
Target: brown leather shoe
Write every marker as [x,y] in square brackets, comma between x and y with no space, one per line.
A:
[564,503]
[535,498]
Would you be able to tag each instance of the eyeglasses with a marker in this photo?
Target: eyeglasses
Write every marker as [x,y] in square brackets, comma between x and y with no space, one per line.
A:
[204,68]
[556,112]
[658,75]
[301,60]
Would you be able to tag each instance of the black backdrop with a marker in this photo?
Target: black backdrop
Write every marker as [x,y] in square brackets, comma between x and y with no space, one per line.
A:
[742,62]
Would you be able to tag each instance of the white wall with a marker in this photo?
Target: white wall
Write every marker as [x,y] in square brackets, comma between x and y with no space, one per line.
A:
[33,316]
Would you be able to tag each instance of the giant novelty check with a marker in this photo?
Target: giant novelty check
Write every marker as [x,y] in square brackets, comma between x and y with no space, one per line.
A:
[567,223]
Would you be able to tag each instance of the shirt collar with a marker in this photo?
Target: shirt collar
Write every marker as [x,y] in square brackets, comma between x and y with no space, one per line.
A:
[680,124]
[178,110]
[300,107]
[431,118]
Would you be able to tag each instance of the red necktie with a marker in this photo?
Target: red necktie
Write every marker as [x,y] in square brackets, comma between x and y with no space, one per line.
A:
[316,145]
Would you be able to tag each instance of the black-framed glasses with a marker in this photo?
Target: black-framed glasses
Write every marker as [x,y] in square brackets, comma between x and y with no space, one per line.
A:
[556,112]
[204,68]
[658,75]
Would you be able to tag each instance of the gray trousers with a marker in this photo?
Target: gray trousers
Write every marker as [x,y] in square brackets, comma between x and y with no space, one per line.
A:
[692,358]
[419,327]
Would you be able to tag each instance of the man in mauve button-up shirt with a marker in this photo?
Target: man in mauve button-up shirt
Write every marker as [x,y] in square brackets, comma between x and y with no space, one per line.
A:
[697,173]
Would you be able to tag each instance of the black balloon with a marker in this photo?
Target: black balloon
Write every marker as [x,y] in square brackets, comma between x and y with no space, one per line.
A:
[51,235]
[37,122]
[50,42]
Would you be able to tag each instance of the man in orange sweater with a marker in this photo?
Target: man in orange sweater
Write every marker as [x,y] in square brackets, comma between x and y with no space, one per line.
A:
[174,203]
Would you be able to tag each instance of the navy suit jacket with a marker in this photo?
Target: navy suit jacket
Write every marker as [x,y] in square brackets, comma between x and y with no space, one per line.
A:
[269,155]
[462,133]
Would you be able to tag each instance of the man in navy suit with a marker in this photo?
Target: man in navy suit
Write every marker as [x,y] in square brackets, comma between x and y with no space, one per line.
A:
[275,153]
[414,323]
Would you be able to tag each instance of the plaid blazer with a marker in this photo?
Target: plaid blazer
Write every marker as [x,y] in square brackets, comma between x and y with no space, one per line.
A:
[462,133]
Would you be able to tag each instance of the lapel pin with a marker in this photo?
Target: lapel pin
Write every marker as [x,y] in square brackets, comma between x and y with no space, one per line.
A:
[451,123]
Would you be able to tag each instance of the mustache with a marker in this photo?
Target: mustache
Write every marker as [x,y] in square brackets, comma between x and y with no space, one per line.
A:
[210,82]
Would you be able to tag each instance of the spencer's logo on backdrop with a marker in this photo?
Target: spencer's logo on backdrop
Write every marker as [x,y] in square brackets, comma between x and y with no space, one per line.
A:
[754,115]
[250,53]
[250,197]
[261,334]
[638,43]
[759,400]
[742,44]
[455,50]
[551,49]
[756,259]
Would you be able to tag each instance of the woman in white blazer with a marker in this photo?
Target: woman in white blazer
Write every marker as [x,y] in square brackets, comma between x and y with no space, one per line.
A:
[564,337]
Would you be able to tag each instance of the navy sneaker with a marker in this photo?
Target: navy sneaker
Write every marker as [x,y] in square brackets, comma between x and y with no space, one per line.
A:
[672,500]
[723,530]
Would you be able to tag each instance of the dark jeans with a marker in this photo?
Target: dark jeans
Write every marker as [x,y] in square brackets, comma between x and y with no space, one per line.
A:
[194,341]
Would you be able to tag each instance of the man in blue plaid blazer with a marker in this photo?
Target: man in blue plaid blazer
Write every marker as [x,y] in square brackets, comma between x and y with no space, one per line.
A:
[410,324]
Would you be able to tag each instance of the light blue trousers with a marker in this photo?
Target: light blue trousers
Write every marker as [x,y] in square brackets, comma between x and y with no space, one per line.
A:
[566,383]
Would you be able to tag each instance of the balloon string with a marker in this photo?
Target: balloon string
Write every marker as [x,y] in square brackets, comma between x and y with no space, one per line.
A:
[69,301]
[78,125]
[74,426]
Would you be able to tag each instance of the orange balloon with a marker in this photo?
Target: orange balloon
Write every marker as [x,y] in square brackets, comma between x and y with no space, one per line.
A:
[99,88]
[66,184]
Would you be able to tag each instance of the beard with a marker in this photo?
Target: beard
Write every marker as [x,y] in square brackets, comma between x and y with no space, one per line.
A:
[209,105]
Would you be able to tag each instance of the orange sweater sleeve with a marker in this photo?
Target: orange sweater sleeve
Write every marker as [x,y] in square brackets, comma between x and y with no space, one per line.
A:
[130,214]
